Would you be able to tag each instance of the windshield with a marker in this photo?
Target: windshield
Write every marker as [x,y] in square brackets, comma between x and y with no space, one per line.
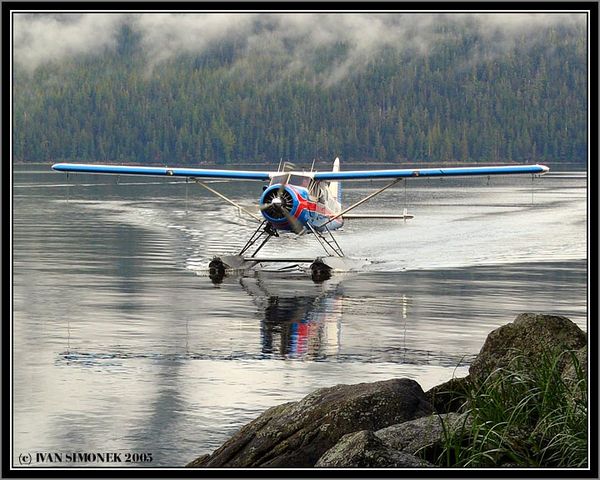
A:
[298,180]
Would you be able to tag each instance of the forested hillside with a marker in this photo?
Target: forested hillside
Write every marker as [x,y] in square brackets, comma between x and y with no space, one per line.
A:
[463,100]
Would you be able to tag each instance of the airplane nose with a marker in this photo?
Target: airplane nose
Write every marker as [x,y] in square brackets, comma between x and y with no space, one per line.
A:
[276,199]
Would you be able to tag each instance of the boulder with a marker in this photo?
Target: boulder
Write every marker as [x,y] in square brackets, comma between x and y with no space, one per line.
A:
[530,335]
[297,434]
[450,396]
[364,449]
[423,436]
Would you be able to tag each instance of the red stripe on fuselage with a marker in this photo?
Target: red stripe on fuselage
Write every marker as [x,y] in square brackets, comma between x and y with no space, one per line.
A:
[311,206]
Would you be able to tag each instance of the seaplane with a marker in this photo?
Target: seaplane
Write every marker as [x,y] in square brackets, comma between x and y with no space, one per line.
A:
[299,202]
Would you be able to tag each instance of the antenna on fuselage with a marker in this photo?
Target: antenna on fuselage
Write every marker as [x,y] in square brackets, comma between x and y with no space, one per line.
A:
[279,166]
[312,167]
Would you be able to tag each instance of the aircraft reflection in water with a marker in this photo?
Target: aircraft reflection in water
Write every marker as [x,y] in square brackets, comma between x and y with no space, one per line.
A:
[300,319]
[297,319]
[303,318]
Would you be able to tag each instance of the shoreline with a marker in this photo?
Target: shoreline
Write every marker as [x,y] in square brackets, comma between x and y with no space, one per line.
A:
[395,424]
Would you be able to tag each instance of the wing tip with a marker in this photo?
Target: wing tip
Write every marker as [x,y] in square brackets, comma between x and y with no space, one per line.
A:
[545,169]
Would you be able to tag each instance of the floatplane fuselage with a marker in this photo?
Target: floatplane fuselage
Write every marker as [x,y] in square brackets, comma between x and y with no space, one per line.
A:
[295,201]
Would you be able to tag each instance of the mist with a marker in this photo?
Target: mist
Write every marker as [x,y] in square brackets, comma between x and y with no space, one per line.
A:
[41,39]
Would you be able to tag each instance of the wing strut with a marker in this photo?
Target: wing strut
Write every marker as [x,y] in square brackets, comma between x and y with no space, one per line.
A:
[332,244]
[228,200]
[360,202]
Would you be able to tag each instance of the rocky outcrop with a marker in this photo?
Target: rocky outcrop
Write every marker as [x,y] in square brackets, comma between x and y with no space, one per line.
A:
[530,335]
[364,449]
[297,434]
[416,443]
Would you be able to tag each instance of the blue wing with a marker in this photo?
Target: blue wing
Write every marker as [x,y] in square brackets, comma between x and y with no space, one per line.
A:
[161,171]
[430,172]
[340,175]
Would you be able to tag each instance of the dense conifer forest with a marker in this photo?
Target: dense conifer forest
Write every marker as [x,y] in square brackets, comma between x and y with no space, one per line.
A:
[463,100]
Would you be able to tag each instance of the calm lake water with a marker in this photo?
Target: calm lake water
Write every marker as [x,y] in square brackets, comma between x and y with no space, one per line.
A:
[121,342]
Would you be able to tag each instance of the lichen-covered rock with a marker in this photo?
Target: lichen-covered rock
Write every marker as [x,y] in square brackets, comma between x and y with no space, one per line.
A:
[364,449]
[297,434]
[423,436]
[530,335]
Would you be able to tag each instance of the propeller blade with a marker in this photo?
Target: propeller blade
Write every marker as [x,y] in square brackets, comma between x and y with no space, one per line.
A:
[293,221]
[282,186]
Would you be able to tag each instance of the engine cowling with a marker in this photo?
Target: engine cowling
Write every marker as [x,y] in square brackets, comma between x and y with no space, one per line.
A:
[279,205]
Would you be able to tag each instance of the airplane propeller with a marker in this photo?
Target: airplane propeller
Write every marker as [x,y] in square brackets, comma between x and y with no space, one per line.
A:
[281,199]
[280,204]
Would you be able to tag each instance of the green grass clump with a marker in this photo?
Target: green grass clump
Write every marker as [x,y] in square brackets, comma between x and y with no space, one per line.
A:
[527,414]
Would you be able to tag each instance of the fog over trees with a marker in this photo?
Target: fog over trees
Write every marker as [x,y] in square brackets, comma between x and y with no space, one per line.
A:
[188,90]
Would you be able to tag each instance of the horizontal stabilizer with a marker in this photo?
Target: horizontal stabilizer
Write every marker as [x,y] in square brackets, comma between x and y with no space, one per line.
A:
[278,260]
[366,216]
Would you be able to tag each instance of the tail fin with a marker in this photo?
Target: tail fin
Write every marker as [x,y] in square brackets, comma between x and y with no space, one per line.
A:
[336,188]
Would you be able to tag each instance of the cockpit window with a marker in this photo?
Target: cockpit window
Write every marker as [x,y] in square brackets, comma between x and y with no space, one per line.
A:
[297,180]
